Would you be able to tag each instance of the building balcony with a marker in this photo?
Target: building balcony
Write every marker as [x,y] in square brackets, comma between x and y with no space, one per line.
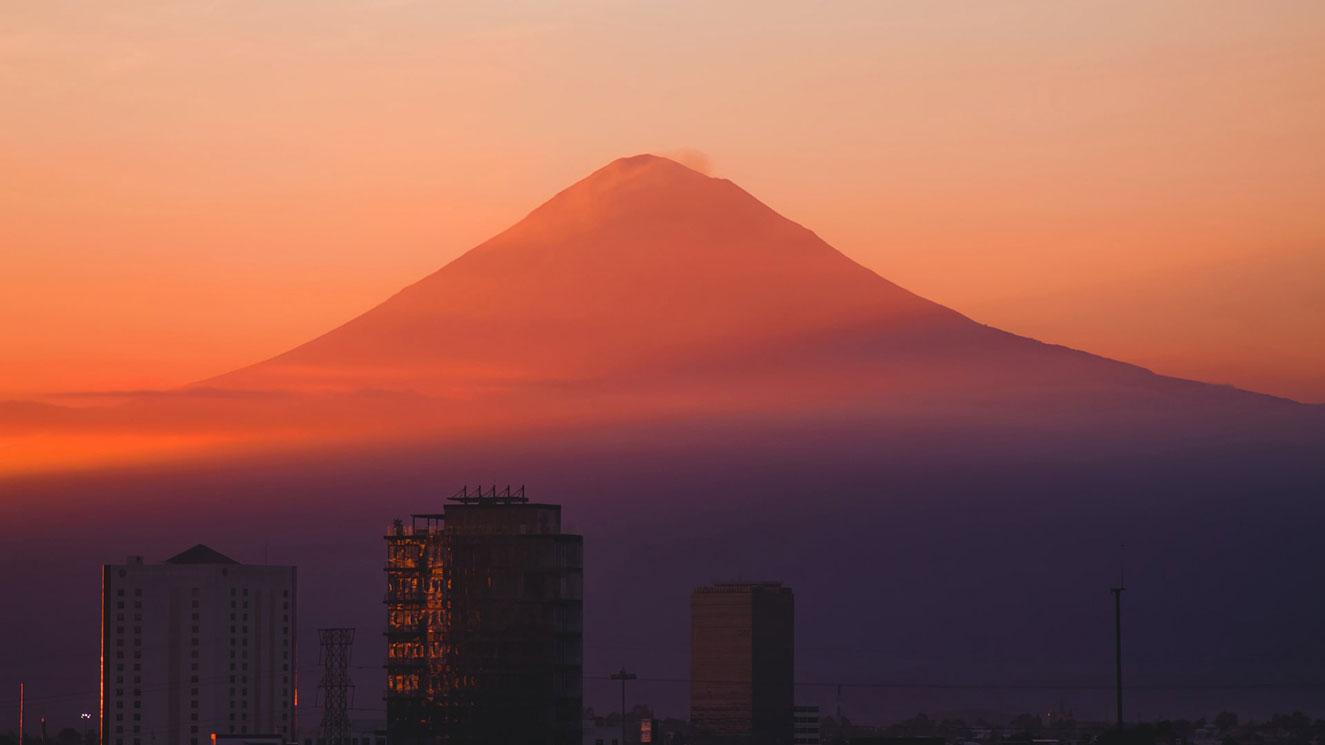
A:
[403,598]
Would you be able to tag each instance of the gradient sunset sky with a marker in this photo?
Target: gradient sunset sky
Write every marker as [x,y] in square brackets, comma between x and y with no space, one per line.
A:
[189,187]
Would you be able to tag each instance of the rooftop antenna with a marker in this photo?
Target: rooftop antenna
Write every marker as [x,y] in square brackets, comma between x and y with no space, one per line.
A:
[1118,637]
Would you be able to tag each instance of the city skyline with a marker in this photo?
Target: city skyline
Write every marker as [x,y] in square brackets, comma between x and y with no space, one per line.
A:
[723,614]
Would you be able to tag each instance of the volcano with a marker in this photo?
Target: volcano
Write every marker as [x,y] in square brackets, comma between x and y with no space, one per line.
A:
[665,288]
[643,265]
[713,393]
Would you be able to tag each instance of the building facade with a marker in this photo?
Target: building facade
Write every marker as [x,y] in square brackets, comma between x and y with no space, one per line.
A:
[196,645]
[806,722]
[484,624]
[742,660]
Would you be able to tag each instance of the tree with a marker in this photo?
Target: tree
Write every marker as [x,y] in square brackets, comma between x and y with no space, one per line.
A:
[1027,725]
[1225,721]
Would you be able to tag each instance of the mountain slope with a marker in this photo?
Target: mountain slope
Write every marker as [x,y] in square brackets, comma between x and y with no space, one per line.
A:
[646,293]
[675,292]
[642,263]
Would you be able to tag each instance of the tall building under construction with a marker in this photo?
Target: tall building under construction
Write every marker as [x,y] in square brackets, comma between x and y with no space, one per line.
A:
[742,655]
[484,624]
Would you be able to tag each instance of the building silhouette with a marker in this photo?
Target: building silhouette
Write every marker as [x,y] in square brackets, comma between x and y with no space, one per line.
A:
[195,645]
[484,624]
[742,639]
[807,725]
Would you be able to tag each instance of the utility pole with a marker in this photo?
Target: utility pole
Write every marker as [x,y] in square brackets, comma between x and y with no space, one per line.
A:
[623,676]
[1118,647]
[337,689]
[20,711]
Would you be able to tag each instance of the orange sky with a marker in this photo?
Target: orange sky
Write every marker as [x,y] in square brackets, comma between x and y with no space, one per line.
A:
[187,187]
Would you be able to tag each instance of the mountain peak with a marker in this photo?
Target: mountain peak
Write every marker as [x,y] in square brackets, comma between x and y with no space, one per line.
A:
[645,170]
[642,163]
[641,264]
[644,186]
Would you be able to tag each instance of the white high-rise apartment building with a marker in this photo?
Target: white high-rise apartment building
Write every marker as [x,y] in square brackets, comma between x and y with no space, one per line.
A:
[195,645]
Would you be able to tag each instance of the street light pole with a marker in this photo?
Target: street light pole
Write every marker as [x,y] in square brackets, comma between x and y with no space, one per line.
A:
[623,676]
[1118,649]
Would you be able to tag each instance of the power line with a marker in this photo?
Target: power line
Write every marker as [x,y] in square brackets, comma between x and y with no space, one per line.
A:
[992,686]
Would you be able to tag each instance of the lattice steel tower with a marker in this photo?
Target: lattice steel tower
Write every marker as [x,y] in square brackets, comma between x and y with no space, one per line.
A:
[337,688]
